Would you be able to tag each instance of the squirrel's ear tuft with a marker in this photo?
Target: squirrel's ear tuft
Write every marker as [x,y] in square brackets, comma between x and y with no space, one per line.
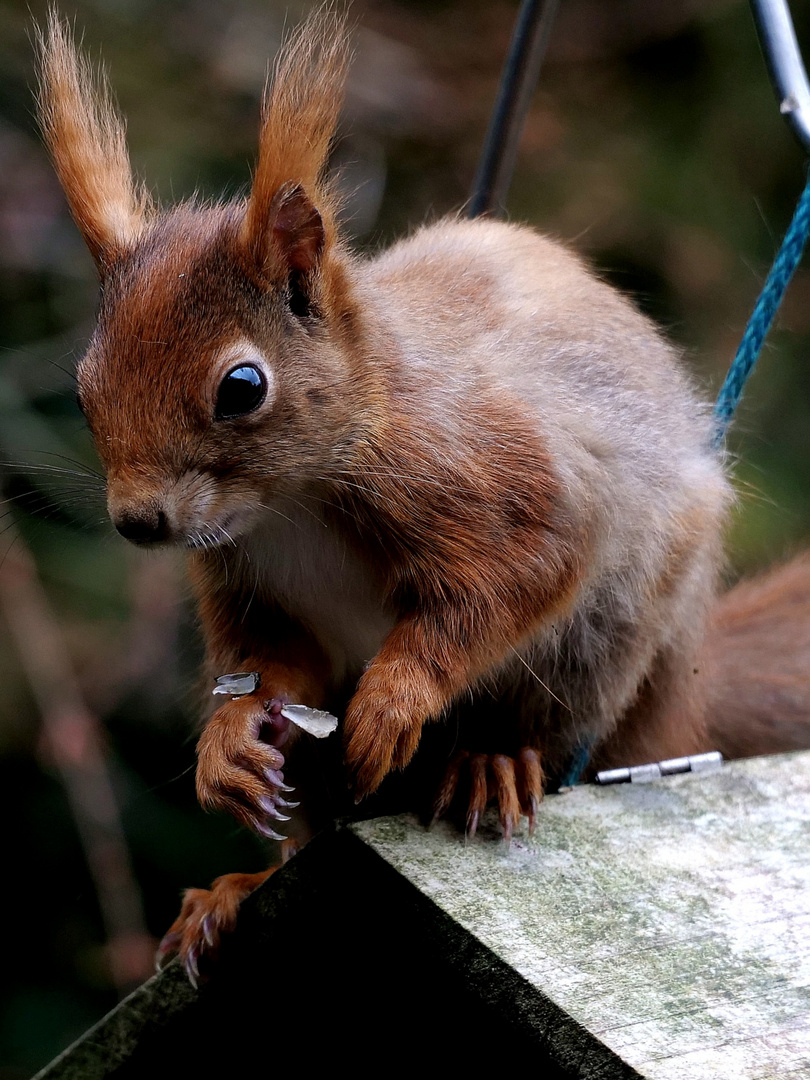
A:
[291,211]
[85,136]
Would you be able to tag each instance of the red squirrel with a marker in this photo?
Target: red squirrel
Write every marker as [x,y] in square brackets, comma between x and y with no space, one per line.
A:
[462,480]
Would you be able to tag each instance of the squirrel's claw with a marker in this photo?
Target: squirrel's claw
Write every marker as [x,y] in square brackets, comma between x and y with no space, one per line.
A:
[276,778]
[478,791]
[192,965]
[208,930]
[514,784]
[449,785]
[167,948]
[264,829]
[530,781]
[270,806]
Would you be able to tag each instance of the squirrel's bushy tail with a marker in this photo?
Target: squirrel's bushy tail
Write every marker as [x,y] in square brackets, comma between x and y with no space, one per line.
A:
[757,664]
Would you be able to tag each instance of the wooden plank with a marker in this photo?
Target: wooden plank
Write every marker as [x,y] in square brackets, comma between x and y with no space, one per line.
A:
[657,931]
[338,958]
[668,919]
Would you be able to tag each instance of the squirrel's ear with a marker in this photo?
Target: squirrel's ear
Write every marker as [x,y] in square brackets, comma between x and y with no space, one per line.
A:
[85,136]
[289,238]
[290,214]
[297,229]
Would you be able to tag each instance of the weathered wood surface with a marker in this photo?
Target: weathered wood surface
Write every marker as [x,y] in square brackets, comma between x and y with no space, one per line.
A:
[671,920]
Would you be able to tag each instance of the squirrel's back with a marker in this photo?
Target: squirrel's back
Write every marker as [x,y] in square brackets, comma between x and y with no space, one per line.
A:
[482,306]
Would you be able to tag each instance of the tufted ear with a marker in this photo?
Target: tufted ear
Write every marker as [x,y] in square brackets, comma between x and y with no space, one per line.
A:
[85,136]
[290,212]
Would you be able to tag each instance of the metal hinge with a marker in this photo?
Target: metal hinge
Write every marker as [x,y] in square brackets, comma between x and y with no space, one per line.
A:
[643,774]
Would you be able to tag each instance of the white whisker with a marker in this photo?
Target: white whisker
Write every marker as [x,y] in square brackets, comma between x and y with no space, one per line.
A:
[273,510]
[536,676]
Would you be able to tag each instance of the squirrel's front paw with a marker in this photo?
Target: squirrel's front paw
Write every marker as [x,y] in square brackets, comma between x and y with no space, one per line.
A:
[379,737]
[239,767]
[205,916]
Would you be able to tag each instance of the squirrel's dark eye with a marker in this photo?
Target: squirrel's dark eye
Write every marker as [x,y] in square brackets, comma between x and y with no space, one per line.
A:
[241,391]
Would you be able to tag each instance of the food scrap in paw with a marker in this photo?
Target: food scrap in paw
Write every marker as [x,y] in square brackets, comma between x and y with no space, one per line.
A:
[314,721]
[238,683]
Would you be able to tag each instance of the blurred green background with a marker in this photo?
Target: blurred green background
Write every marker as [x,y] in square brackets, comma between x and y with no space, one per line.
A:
[654,146]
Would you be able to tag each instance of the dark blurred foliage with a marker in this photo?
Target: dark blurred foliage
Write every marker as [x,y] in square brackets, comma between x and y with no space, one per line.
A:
[654,146]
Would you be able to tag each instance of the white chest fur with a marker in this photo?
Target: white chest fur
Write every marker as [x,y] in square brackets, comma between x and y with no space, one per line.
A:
[305,564]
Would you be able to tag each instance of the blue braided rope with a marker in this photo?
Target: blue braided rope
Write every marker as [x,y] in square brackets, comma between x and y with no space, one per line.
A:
[767,305]
[765,309]
[577,765]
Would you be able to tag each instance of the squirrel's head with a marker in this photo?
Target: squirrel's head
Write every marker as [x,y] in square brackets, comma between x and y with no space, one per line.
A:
[217,374]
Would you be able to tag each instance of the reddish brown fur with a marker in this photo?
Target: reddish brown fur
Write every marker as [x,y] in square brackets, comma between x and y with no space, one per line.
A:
[290,661]
[205,916]
[751,692]
[757,664]
[87,142]
[298,125]
[457,617]
[530,782]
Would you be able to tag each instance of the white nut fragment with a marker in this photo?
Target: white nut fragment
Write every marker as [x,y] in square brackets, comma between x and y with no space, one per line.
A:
[314,721]
[238,683]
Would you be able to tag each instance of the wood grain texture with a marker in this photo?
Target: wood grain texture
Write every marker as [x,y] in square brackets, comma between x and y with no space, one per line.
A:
[669,919]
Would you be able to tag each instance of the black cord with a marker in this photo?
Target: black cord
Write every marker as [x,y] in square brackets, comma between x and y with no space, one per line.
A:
[518,80]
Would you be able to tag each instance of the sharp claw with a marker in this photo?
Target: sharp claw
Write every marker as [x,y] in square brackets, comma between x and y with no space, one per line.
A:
[285,803]
[208,929]
[533,804]
[192,968]
[166,950]
[268,804]
[276,778]
[472,823]
[265,830]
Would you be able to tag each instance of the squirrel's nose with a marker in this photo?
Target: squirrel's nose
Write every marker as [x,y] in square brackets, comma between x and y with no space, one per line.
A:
[142,526]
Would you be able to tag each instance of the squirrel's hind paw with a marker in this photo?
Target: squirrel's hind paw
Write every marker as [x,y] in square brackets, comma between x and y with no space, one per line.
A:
[515,784]
[205,915]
